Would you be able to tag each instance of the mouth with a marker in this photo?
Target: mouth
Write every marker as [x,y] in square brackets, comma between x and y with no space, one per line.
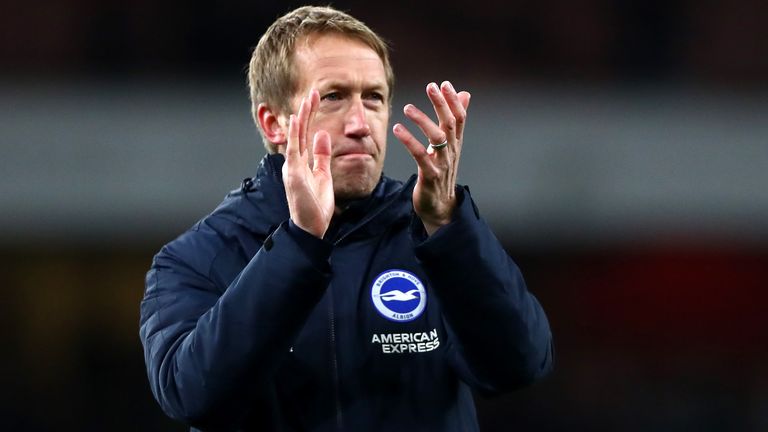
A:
[353,155]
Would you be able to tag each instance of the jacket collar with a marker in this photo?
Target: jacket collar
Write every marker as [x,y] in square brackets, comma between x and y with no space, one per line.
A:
[260,204]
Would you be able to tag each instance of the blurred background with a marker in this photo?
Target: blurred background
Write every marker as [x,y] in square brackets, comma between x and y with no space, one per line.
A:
[619,149]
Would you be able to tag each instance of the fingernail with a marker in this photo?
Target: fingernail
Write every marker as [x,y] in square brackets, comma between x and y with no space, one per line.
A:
[397,127]
[433,88]
[449,86]
[407,109]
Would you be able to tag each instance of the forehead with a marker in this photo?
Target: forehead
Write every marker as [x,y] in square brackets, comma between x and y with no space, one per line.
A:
[332,56]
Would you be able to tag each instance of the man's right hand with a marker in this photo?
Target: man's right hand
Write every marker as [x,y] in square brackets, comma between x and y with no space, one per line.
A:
[309,190]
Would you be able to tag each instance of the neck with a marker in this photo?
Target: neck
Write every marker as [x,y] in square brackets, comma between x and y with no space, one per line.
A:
[343,205]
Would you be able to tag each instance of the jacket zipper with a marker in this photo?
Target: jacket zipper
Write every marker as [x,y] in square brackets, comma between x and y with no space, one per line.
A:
[335,366]
[334,357]
[369,217]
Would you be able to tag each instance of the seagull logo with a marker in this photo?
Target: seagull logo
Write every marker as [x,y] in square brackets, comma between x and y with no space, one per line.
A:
[399,295]
[396,295]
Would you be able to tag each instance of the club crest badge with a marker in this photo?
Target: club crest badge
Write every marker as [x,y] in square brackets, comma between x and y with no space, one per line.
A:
[398,295]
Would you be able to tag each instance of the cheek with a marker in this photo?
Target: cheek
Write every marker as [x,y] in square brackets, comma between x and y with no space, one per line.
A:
[379,126]
[321,123]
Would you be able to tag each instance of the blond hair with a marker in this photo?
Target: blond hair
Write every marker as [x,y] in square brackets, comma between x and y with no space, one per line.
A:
[272,78]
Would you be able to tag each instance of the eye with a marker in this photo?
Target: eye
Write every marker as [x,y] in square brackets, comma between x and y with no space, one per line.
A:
[376,96]
[332,96]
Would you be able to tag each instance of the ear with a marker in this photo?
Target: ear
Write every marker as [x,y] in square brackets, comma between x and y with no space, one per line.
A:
[273,125]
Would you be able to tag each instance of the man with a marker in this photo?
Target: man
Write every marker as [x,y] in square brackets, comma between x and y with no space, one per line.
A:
[323,296]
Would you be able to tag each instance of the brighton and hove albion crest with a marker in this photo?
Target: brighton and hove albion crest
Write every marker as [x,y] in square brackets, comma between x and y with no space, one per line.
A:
[398,295]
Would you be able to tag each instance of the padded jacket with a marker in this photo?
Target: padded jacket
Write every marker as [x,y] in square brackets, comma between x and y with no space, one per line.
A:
[250,323]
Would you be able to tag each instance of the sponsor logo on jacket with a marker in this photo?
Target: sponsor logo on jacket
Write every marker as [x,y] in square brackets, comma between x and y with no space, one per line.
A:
[402,343]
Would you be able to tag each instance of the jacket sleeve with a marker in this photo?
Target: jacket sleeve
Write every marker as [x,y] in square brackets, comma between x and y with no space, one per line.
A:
[206,347]
[500,335]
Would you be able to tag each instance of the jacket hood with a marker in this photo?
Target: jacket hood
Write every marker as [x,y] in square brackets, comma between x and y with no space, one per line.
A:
[260,205]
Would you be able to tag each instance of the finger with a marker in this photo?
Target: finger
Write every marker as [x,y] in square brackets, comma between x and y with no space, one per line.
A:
[311,100]
[302,116]
[444,115]
[415,148]
[432,131]
[292,147]
[314,103]
[464,97]
[457,109]
[321,152]
[452,99]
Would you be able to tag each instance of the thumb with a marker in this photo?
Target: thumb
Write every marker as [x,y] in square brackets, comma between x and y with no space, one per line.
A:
[321,152]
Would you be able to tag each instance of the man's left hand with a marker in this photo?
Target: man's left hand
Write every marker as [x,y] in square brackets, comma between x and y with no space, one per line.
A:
[434,197]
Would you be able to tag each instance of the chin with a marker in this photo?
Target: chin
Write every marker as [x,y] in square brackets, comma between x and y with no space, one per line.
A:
[354,188]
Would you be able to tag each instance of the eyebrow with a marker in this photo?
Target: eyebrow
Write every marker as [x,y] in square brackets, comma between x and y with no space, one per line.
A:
[336,84]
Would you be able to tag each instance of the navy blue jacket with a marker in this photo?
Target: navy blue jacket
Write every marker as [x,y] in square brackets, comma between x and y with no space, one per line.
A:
[250,323]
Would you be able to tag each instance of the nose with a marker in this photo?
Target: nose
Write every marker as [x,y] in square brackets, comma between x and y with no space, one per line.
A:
[355,124]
